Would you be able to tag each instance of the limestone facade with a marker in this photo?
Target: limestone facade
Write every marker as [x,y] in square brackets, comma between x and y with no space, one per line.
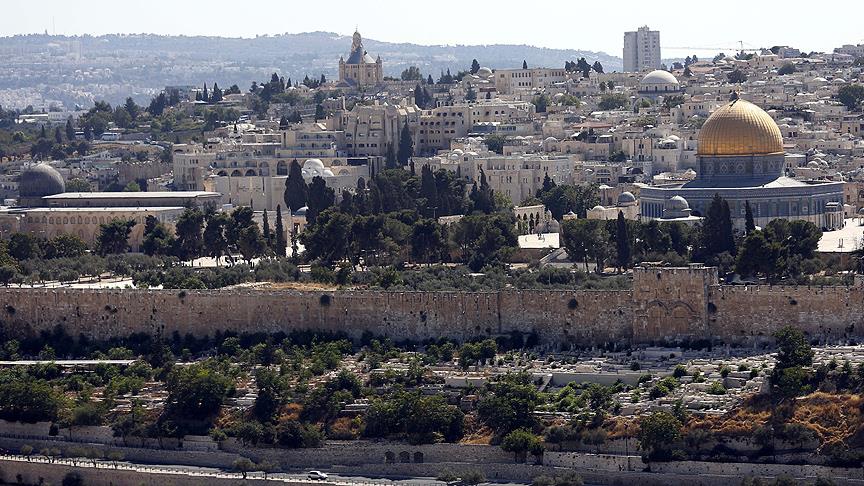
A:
[666,305]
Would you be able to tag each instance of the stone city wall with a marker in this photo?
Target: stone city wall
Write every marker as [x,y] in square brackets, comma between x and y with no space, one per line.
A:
[753,312]
[591,317]
[665,305]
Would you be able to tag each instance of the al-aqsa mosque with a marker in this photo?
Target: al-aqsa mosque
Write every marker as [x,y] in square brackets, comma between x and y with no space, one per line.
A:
[741,158]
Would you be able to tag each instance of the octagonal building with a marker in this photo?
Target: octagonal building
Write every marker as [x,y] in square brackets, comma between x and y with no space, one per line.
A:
[741,158]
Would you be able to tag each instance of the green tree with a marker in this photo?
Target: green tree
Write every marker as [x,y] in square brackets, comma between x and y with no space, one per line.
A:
[426,240]
[412,73]
[78,185]
[716,233]
[749,224]
[251,243]
[70,130]
[196,391]
[612,101]
[509,403]
[482,197]
[132,108]
[214,237]
[520,442]
[658,434]
[790,376]
[622,242]
[321,197]
[475,66]
[428,192]
[756,256]
[23,246]
[65,246]
[485,240]
[113,236]
[406,145]
[390,160]
[158,239]
[27,399]
[851,95]
[328,239]
[541,103]
[786,68]
[295,188]
[566,198]
[265,229]
[495,143]
[243,466]
[793,349]
[190,237]
[271,394]
[737,76]
[279,243]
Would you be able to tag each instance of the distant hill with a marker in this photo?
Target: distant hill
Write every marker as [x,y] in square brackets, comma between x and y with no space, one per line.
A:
[311,51]
[144,62]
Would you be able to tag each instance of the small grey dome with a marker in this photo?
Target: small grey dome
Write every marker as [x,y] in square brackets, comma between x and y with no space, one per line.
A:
[676,203]
[40,180]
[626,198]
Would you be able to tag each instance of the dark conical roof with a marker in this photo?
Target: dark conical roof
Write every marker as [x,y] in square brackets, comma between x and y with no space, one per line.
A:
[40,180]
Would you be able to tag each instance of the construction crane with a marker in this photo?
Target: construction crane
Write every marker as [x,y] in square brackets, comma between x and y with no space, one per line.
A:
[717,49]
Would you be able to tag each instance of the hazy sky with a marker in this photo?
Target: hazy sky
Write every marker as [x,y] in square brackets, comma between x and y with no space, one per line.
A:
[594,25]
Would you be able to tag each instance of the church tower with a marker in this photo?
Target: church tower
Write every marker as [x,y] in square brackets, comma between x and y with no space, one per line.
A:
[360,69]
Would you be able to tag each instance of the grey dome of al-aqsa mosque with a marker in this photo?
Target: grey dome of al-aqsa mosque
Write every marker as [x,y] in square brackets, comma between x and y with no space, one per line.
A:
[38,181]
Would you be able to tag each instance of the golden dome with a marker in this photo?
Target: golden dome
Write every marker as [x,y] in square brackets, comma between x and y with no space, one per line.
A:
[739,128]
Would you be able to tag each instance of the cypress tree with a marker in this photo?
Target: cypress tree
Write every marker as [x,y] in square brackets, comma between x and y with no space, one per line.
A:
[749,225]
[712,233]
[266,229]
[279,246]
[728,237]
[428,190]
[321,197]
[406,145]
[622,242]
[70,131]
[296,191]
[390,161]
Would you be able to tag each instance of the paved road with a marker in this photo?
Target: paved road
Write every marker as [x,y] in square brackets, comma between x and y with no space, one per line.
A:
[218,473]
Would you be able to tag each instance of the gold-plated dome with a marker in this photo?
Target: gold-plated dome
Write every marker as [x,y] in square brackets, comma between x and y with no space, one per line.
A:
[739,128]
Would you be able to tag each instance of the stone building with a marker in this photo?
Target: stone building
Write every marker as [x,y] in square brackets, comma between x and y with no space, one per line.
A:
[369,129]
[45,209]
[641,50]
[741,158]
[360,70]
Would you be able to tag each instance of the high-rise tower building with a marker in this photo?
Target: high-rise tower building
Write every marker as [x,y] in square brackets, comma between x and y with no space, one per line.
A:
[642,50]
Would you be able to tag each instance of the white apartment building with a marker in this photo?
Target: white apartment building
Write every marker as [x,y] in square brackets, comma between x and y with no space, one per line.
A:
[642,50]
[509,81]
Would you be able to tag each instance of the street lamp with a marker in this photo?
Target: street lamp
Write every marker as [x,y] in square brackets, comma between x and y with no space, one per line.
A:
[627,444]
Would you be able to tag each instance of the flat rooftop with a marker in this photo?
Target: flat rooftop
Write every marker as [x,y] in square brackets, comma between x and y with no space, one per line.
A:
[98,209]
[133,195]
